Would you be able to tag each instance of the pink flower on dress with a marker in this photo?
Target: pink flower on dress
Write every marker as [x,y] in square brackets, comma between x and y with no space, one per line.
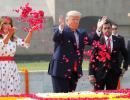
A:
[1,33]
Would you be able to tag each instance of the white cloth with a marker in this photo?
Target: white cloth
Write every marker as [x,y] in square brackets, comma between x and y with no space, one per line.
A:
[9,76]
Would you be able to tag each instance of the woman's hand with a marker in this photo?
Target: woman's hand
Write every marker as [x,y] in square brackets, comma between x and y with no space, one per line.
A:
[29,35]
[32,29]
[11,30]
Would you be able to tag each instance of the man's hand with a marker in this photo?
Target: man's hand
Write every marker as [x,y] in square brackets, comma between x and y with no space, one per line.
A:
[61,22]
[91,78]
[123,71]
[101,22]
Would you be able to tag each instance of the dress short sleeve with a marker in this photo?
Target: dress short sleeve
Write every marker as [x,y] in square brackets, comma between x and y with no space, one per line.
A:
[20,42]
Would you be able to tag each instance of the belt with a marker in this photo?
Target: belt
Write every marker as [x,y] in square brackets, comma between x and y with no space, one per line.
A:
[6,58]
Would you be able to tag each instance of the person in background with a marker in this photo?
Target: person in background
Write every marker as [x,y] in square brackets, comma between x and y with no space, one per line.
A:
[115,32]
[9,77]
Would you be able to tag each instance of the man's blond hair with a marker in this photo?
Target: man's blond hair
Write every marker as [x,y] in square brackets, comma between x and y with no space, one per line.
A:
[73,13]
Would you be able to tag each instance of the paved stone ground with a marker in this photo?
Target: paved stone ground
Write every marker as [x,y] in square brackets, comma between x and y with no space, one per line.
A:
[84,84]
[40,82]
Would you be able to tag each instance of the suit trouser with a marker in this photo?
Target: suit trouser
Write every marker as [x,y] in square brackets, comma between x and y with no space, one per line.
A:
[110,82]
[64,84]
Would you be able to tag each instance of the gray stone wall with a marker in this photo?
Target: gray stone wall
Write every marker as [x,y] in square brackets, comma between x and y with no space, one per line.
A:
[116,10]
[125,31]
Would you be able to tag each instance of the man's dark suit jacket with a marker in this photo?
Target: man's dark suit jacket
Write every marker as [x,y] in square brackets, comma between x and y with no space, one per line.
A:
[121,56]
[66,52]
[101,70]
[128,48]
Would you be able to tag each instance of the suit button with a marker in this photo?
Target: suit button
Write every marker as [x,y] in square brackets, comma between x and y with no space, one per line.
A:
[68,41]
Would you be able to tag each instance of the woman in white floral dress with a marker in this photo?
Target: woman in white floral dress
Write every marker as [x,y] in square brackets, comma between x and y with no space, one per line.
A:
[9,76]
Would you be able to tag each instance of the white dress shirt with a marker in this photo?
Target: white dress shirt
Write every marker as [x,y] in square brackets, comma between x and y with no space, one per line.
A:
[76,39]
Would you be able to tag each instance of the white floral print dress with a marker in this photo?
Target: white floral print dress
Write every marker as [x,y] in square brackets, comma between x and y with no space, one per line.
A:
[9,76]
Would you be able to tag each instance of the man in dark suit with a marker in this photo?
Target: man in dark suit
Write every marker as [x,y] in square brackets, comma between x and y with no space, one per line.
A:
[128,48]
[116,33]
[65,66]
[107,72]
